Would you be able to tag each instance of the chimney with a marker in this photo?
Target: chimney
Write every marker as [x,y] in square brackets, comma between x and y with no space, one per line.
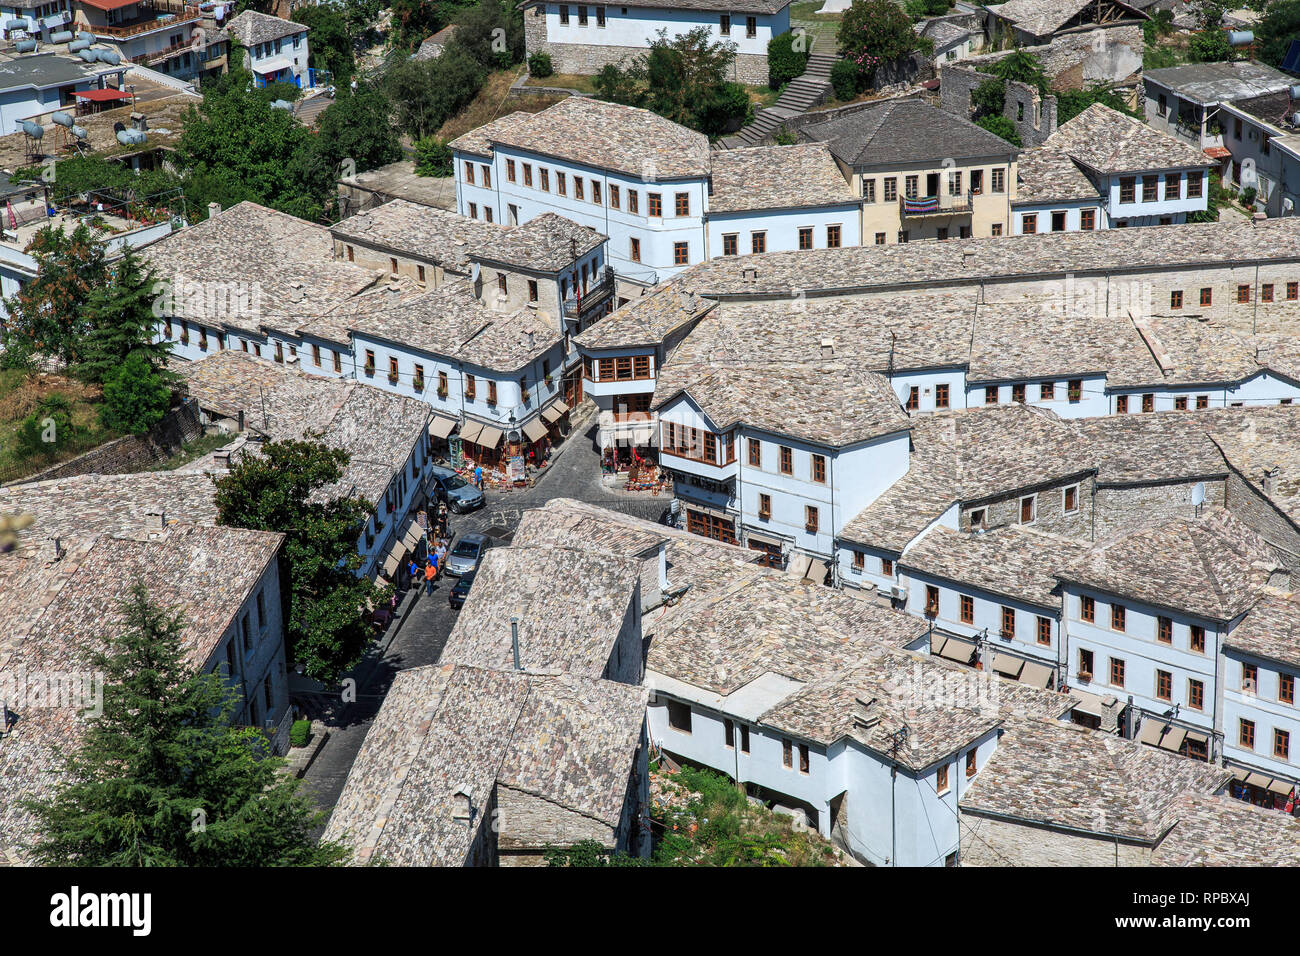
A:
[828,348]
[514,641]
[968,258]
[663,567]
[56,551]
[240,419]
[214,210]
[1270,480]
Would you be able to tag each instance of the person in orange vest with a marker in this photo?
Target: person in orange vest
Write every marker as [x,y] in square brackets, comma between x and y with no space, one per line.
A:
[431,571]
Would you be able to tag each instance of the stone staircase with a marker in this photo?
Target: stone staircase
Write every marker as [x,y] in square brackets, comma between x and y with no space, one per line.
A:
[800,95]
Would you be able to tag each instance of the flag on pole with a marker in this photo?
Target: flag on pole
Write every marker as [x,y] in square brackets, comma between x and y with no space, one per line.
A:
[13,220]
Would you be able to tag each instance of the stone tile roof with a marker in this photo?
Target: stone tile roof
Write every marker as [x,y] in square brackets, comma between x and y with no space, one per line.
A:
[1042,18]
[1049,175]
[1011,561]
[1271,629]
[479,141]
[377,428]
[1187,350]
[1260,441]
[1109,142]
[451,321]
[409,228]
[833,404]
[966,456]
[888,689]
[905,130]
[921,265]
[1220,82]
[571,606]
[286,265]
[1014,342]
[1154,447]
[944,32]
[1212,566]
[136,505]
[70,609]
[251,28]
[623,139]
[546,243]
[447,729]
[1059,774]
[777,177]
[646,320]
[1221,831]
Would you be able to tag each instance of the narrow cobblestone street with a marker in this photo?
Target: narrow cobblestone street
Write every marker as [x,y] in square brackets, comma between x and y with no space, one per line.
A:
[574,473]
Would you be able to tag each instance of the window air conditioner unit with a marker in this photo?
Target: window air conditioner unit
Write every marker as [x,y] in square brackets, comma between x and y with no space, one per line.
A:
[898,591]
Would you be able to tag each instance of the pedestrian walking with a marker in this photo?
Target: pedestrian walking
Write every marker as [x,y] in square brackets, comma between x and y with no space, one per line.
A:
[442,519]
[431,571]
[412,573]
[478,477]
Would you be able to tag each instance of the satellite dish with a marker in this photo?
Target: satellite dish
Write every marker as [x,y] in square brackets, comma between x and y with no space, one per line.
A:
[1198,494]
[474,271]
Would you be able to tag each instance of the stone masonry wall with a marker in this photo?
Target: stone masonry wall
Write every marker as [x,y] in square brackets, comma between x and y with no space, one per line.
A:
[1034,116]
[1257,512]
[1049,514]
[1122,509]
[131,453]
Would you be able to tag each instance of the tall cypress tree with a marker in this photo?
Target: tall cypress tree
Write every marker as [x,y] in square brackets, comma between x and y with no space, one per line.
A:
[162,777]
[121,320]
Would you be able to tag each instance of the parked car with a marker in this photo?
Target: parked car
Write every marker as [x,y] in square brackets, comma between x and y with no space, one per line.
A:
[467,553]
[456,596]
[460,495]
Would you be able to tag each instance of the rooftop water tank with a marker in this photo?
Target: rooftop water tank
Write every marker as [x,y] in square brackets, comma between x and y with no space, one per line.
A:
[1240,38]
[84,35]
[63,36]
[282,105]
[62,119]
[79,132]
[25,46]
[111,57]
[33,129]
[77,45]
[131,137]
[15,24]
[88,55]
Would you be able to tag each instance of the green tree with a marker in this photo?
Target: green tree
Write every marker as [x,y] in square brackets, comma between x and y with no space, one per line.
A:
[684,72]
[1000,126]
[1274,33]
[426,93]
[163,751]
[920,9]
[358,127]
[1070,103]
[492,32]
[620,84]
[1022,67]
[331,41]
[875,33]
[121,322]
[235,147]
[136,396]
[432,157]
[47,315]
[1210,46]
[280,490]
[784,62]
[47,429]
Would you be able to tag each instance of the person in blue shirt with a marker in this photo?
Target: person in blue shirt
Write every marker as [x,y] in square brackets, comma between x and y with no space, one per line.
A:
[478,477]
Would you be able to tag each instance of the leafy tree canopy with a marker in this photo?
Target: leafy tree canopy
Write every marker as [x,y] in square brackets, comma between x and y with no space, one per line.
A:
[163,778]
[48,313]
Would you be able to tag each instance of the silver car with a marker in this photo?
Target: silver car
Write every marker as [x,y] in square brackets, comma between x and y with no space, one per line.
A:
[467,553]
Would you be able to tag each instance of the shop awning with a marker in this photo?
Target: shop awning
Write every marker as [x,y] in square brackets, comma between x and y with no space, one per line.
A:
[489,437]
[1157,733]
[102,96]
[1036,675]
[411,534]
[394,557]
[274,65]
[535,430]
[1008,666]
[816,570]
[1281,787]
[765,538]
[937,641]
[470,431]
[441,427]
[1259,780]
[1089,703]
[550,414]
[798,566]
[958,650]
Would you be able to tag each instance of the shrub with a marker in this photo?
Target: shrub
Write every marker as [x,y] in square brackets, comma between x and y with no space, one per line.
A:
[300,733]
[540,65]
[1248,196]
[46,429]
[432,157]
[135,397]
[845,78]
[727,107]
[784,62]
[1000,126]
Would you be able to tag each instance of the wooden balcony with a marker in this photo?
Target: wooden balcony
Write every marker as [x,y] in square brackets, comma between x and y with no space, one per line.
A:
[182,13]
